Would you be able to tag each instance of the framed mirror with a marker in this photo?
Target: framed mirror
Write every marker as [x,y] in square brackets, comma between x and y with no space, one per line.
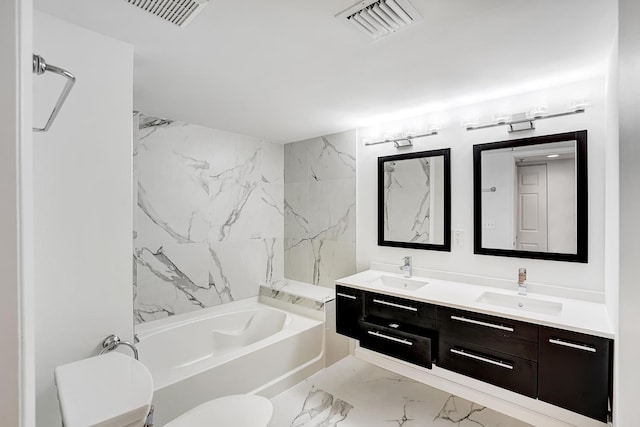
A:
[530,197]
[414,200]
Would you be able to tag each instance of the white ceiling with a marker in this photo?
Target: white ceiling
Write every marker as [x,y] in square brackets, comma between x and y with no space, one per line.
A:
[287,70]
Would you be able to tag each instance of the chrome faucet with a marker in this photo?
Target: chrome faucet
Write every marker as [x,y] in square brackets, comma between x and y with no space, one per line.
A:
[522,281]
[406,266]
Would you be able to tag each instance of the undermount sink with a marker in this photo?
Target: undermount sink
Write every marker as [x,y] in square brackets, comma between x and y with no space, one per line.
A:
[521,302]
[402,283]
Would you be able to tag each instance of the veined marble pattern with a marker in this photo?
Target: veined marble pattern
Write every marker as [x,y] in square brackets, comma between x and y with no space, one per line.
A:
[319,208]
[353,393]
[209,217]
[407,196]
[413,200]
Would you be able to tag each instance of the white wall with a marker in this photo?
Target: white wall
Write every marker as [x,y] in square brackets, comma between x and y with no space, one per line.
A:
[573,276]
[628,342]
[612,227]
[82,191]
[17,367]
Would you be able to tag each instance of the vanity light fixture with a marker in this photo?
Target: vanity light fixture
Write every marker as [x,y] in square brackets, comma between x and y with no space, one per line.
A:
[538,112]
[469,122]
[501,118]
[553,156]
[404,141]
[523,121]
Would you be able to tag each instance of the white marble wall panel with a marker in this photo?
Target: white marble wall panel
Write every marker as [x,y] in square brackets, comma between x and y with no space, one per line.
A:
[319,208]
[209,219]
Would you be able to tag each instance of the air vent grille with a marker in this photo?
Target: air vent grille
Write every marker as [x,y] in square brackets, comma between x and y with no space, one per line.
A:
[382,17]
[178,12]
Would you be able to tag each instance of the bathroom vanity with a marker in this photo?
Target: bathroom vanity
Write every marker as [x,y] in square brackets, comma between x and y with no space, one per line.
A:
[556,352]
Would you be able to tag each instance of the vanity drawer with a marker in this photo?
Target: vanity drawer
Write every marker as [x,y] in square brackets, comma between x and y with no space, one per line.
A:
[400,310]
[503,370]
[481,328]
[402,345]
[349,304]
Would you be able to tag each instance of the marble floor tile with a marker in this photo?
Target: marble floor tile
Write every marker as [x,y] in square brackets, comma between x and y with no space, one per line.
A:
[353,393]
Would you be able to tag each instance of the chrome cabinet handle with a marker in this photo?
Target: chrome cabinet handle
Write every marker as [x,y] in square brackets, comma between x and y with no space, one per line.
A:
[392,304]
[340,294]
[390,338]
[480,358]
[481,323]
[572,345]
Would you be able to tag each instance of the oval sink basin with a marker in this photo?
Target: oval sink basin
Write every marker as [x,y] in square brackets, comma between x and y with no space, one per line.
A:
[521,302]
[402,283]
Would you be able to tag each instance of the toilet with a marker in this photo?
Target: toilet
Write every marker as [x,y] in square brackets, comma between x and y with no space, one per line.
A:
[115,390]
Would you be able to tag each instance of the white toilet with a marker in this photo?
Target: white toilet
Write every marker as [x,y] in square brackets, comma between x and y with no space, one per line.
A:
[115,390]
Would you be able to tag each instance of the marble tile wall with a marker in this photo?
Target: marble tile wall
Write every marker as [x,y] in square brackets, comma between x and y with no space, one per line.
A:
[208,223]
[320,208]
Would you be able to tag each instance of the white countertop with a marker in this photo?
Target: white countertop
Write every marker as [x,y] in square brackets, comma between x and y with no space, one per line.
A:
[580,316]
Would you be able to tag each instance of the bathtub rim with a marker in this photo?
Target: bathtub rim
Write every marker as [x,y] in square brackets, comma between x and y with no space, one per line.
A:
[147,329]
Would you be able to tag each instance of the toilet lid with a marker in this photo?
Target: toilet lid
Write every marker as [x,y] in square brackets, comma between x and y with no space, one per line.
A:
[244,410]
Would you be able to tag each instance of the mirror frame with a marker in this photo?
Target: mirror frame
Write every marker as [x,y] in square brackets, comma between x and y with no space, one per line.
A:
[582,206]
[446,245]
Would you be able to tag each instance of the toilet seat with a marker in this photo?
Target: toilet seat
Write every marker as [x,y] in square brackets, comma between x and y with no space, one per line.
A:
[243,410]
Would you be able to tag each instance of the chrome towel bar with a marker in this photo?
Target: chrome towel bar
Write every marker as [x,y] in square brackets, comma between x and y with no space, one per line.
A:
[40,67]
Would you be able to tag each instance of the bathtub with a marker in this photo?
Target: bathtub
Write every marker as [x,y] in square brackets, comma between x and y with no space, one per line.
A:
[241,347]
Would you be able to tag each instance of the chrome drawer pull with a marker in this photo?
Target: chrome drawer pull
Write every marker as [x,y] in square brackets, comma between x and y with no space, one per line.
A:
[572,345]
[480,358]
[392,304]
[387,337]
[481,323]
[340,294]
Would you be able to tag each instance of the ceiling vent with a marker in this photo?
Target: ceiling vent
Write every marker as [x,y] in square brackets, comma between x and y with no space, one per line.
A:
[380,18]
[178,12]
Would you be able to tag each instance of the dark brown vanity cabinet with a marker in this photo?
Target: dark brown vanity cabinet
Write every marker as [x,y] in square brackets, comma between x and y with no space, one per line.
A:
[349,304]
[566,369]
[499,351]
[575,371]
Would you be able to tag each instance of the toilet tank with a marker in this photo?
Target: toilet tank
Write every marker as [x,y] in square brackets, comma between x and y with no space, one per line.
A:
[111,390]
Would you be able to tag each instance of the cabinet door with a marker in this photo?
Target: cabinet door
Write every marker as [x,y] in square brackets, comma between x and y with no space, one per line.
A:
[574,371]
[349,303]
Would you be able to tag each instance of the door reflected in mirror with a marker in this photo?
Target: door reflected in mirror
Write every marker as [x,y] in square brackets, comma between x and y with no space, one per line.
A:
[530,197]
[414,200]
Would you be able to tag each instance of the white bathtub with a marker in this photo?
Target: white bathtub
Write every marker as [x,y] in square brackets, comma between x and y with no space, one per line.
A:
[241,347]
